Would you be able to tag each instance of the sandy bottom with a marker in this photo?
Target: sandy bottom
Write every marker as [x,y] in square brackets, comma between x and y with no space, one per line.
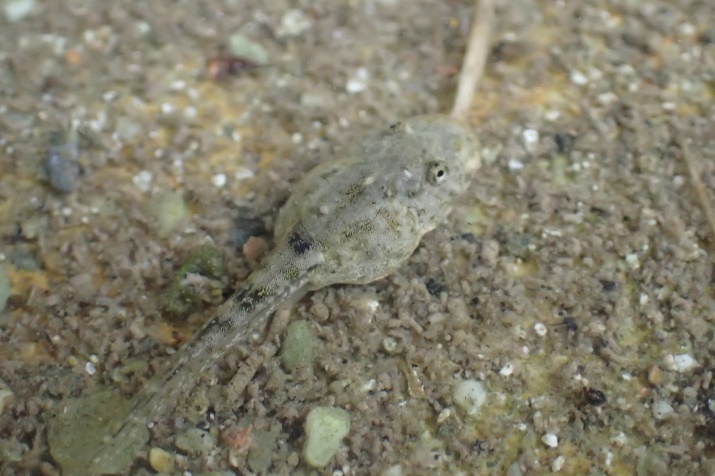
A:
[573,280]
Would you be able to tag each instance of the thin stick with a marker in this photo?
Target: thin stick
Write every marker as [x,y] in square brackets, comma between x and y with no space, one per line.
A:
[701,192]
[475,58]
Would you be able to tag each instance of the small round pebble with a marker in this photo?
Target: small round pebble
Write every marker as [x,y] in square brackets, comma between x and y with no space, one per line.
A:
[469,395]
[325,428]
[160,460]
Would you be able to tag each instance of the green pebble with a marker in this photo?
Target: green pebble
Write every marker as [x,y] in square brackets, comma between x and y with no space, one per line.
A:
[168,211]
[242,47]
[325,428]
[298,347]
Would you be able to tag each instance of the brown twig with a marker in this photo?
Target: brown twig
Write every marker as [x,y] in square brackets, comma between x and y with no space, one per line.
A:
[475,57]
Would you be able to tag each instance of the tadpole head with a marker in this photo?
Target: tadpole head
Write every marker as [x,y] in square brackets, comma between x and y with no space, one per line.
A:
[437,156]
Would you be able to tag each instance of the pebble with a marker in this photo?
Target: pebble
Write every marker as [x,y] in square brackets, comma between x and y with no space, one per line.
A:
[293,23]
[531,139]
[358,83]
[195,441]
[515,165]
[297,351]
[550,440]
[16,10]
[507,370]
[143,180]
[61,166]
[557,464]
[514,469]
[684,362]
[325,428]
[218,180]
[662,410]
[168,210]
[654,375]
[469,395]
[243,47]
[160,460]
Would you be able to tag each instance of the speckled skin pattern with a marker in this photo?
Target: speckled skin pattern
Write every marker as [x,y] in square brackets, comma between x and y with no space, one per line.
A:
[353,220]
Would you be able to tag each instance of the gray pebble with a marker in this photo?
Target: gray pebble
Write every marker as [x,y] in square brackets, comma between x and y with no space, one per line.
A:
[62,169]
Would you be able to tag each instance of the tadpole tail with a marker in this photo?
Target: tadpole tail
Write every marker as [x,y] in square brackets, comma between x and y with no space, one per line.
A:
[277,279]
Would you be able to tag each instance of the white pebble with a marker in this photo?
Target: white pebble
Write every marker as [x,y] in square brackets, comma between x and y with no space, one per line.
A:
[531,139]
[633,260]
[143,180]
[357,83]
[552,115]
[325,428]
[515,164]
[469,395]
[90,368]
[167,108]
[619,439]
[662,409]
[684,362]
[550,440]
[557,464]
[507,370]
[293,23]
[219,180]
[578,78]
[607,98]
[540,329]
[16,10]
[243,173]
[177,85]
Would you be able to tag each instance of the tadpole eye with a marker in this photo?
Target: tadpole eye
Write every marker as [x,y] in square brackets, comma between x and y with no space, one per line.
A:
[437,172]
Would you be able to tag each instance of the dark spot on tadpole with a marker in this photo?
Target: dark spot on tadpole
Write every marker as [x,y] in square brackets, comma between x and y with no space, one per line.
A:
[298,243]
[395,128]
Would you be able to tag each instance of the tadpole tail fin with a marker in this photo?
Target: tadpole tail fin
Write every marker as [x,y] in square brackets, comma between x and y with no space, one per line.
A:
[277,279]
